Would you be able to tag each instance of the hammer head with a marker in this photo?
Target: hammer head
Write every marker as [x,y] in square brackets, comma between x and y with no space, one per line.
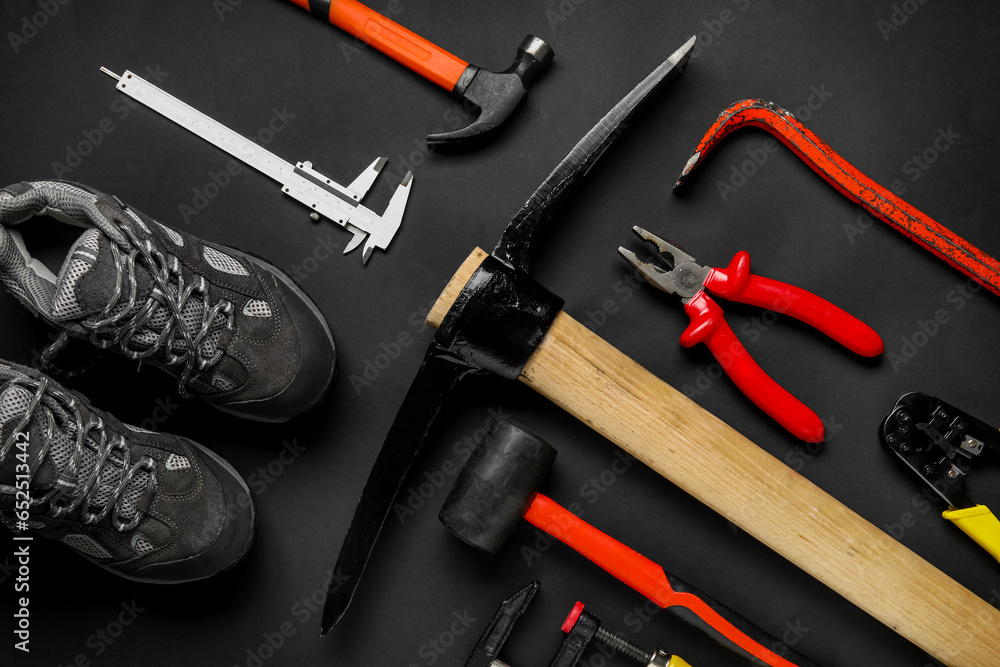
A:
[495,94]
[497,485]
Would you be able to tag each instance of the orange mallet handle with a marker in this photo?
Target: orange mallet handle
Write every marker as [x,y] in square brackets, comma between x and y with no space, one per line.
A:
[426,59]
[649,579]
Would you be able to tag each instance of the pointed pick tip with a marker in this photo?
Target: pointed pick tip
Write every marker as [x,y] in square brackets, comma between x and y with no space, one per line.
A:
[681,55]
[330,619]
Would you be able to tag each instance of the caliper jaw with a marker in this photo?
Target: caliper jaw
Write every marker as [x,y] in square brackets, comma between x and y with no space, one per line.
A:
[342,206]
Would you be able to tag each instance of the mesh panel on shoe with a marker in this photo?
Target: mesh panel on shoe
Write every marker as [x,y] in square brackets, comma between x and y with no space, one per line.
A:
[174,237]
[18,277]
[223,262]
[87,545]
[177,462]
[257,308]
[141,543]
[14,403]
[133,493]
[65,304]
[220,381]
[61,449]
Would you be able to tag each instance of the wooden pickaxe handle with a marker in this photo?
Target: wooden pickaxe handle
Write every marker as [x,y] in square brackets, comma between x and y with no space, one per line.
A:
[404,46]
[697,451]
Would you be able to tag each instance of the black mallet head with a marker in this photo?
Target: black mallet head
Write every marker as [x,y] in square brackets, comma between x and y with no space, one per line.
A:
[496,486]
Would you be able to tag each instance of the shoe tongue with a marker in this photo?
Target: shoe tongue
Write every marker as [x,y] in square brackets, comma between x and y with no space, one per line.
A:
[15,400]
[87,282]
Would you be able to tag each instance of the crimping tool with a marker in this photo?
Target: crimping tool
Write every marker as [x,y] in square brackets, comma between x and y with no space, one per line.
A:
[941,445]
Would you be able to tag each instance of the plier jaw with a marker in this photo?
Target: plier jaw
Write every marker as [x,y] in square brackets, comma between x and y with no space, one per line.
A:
[683,275]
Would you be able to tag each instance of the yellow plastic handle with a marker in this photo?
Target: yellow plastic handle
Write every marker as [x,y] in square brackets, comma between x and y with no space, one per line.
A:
[677,662]
[978,523]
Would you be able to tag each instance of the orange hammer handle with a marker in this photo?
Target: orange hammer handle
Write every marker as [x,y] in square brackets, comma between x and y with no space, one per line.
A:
[426,59]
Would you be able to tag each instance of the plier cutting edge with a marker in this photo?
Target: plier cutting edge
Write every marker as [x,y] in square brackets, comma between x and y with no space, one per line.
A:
[692,282]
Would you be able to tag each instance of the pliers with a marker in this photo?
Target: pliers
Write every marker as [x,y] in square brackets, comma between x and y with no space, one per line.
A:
[692,282]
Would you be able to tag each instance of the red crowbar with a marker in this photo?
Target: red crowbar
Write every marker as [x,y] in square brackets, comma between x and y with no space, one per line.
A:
[850,182]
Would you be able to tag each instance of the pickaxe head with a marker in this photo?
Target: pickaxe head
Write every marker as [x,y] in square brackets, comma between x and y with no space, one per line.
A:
[495,95]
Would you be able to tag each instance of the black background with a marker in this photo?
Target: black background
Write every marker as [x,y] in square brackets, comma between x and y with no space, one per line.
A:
[886,95]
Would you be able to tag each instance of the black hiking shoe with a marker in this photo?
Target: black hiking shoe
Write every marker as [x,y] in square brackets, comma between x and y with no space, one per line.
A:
[146,506]
[232,328]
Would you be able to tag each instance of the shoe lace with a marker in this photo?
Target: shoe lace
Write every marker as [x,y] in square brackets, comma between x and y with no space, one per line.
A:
[179,335]
[108,471]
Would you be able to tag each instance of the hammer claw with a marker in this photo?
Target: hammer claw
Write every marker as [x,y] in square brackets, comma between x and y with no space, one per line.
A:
[495,95]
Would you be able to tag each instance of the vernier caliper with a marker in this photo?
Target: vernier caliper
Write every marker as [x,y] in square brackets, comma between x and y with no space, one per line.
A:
[325,198]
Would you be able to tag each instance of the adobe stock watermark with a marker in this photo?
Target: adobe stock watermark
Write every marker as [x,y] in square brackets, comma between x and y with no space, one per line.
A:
[715,27]
[33,23]
[431,651]
[261,479]
[591,490]
[900,14]
[102,638]
[927,329]
[325,248]
[163,409]
[757,156]
[562,11]
[120,108]
[922,502]
[914,169]
[225,7]
[455,117]
[799,457]
[218,181]
[624,288]
[389,351]
[302,610]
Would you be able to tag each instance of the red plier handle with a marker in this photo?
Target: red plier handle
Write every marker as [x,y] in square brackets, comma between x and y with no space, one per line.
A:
[709,326]
[692,282]
[736,283]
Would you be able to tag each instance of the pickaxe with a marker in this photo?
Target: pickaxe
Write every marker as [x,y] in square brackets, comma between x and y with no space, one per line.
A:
[493,317]
[494,94]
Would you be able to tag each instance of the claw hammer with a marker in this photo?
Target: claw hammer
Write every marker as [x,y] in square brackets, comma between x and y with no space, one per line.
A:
[494,94]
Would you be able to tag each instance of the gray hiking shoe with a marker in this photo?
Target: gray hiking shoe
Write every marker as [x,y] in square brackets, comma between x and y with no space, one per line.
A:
[147,506]
[231,327]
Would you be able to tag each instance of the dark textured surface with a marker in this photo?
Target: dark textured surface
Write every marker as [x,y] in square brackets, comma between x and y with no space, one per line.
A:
[882,98]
